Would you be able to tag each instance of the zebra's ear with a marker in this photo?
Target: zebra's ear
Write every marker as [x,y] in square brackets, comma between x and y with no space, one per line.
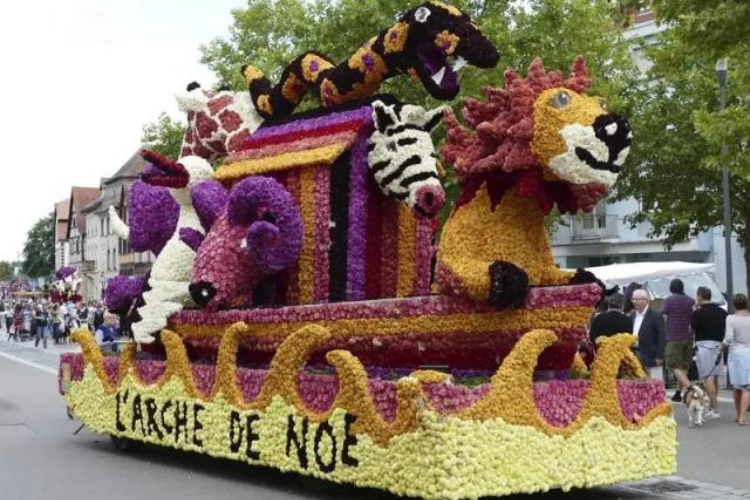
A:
[383,115]
[433,118]
[413,115]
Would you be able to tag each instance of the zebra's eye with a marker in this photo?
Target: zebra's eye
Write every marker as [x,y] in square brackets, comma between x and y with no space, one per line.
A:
[561,100]
[391,146]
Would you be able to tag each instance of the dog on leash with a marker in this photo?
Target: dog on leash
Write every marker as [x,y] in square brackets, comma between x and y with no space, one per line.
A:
[696,400]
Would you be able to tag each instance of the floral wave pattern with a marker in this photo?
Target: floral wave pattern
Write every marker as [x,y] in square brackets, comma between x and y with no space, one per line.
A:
[354,440]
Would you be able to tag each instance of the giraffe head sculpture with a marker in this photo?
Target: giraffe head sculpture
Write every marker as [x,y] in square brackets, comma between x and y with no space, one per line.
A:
[218,122]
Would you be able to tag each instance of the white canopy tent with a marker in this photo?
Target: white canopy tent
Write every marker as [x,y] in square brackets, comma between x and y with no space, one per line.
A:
[624,274]
[655,277]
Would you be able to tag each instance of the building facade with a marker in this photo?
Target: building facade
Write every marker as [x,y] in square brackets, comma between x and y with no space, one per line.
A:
[62,249]
[602,237]
[110,254]
[76,232]
[99,245]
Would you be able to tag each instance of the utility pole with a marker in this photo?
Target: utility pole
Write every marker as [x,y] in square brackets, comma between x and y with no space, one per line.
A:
[722,68]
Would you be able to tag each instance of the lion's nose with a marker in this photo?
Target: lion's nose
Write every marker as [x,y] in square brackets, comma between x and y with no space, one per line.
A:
[202,292]
[614,131]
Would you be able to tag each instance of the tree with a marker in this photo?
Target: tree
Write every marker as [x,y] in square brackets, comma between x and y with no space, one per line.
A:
[164,136]
[270,33]
[714,28]
[39,249]
[675,169]
[6,271]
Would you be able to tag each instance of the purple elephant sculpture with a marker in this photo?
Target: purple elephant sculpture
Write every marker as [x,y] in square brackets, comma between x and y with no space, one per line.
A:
[258,234]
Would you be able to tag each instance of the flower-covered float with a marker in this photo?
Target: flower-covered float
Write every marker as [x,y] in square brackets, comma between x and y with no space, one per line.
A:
[66,286]
[314,338]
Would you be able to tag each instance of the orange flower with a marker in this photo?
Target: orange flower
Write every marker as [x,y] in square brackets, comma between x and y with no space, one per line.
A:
[395,38]
[447,42]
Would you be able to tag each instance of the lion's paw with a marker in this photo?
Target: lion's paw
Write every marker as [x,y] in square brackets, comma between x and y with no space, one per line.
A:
[509,285]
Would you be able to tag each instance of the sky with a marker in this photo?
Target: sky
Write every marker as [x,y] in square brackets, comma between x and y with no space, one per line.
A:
[80,79]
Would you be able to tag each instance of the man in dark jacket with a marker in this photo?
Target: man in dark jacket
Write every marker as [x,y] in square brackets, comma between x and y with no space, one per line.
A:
[649,327]
[611,322]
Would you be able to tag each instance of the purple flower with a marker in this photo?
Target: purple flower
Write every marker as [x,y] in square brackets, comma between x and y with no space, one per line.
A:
[368,61]
[122,292]
[64,272]
[260,214]
[209,200]
[152,217]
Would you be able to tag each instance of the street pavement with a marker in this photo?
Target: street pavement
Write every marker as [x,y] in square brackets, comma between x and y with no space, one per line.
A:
[41,458]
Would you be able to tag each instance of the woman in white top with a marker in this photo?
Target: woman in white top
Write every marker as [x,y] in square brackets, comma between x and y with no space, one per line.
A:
[737,340]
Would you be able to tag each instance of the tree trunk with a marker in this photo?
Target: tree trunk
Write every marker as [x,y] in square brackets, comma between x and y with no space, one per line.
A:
[744,240]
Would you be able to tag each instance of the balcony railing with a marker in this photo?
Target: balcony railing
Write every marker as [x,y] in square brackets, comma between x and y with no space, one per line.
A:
[595,227]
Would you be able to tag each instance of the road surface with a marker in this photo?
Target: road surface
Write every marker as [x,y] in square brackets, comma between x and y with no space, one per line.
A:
[41,458]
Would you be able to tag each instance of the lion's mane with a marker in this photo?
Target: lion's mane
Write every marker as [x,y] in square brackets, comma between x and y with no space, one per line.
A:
[496,146]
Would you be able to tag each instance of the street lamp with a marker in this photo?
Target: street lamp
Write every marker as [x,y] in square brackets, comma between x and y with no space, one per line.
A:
[721,75]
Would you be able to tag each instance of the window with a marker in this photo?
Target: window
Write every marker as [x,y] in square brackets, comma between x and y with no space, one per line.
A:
[107,260]
[101,223]
[123,246]
[107,225]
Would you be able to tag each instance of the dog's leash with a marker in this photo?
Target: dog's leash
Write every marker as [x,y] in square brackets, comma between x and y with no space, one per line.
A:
[717,363]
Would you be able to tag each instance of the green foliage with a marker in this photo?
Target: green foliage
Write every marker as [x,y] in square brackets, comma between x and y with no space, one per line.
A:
[676,161]
[164,136]
[6,271]
[270,33]
[39,249]
[704,32]
[715,27]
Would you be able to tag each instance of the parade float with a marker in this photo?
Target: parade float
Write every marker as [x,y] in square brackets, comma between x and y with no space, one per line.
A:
[304,315]
[66,287]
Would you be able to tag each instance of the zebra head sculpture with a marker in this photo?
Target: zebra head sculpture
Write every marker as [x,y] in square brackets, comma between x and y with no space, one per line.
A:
[402,157]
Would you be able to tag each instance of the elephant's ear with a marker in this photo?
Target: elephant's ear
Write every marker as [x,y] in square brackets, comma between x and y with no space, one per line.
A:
[246,198]
[209,200]
[266,208]
[152,217]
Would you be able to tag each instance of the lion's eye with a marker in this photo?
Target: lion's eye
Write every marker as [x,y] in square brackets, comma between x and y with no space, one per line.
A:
[603,105]
[560,100]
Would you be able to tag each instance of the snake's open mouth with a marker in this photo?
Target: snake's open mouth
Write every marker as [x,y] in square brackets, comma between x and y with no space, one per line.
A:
[438,75]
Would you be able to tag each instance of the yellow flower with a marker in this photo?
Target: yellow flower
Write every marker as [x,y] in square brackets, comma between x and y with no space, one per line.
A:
[252,73]
[395,38]
[293,88]
[264,104]
[447,42]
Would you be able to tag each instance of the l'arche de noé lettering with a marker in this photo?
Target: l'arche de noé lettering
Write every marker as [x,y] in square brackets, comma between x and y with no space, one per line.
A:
[180,421]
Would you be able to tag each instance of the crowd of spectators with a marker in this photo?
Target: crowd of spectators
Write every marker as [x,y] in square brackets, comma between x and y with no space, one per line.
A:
[42,320]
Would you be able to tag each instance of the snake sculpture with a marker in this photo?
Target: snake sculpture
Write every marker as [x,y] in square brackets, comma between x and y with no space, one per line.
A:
[420,44]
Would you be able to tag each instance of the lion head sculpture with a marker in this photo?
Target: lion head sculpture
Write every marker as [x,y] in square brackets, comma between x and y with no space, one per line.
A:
[543,135]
